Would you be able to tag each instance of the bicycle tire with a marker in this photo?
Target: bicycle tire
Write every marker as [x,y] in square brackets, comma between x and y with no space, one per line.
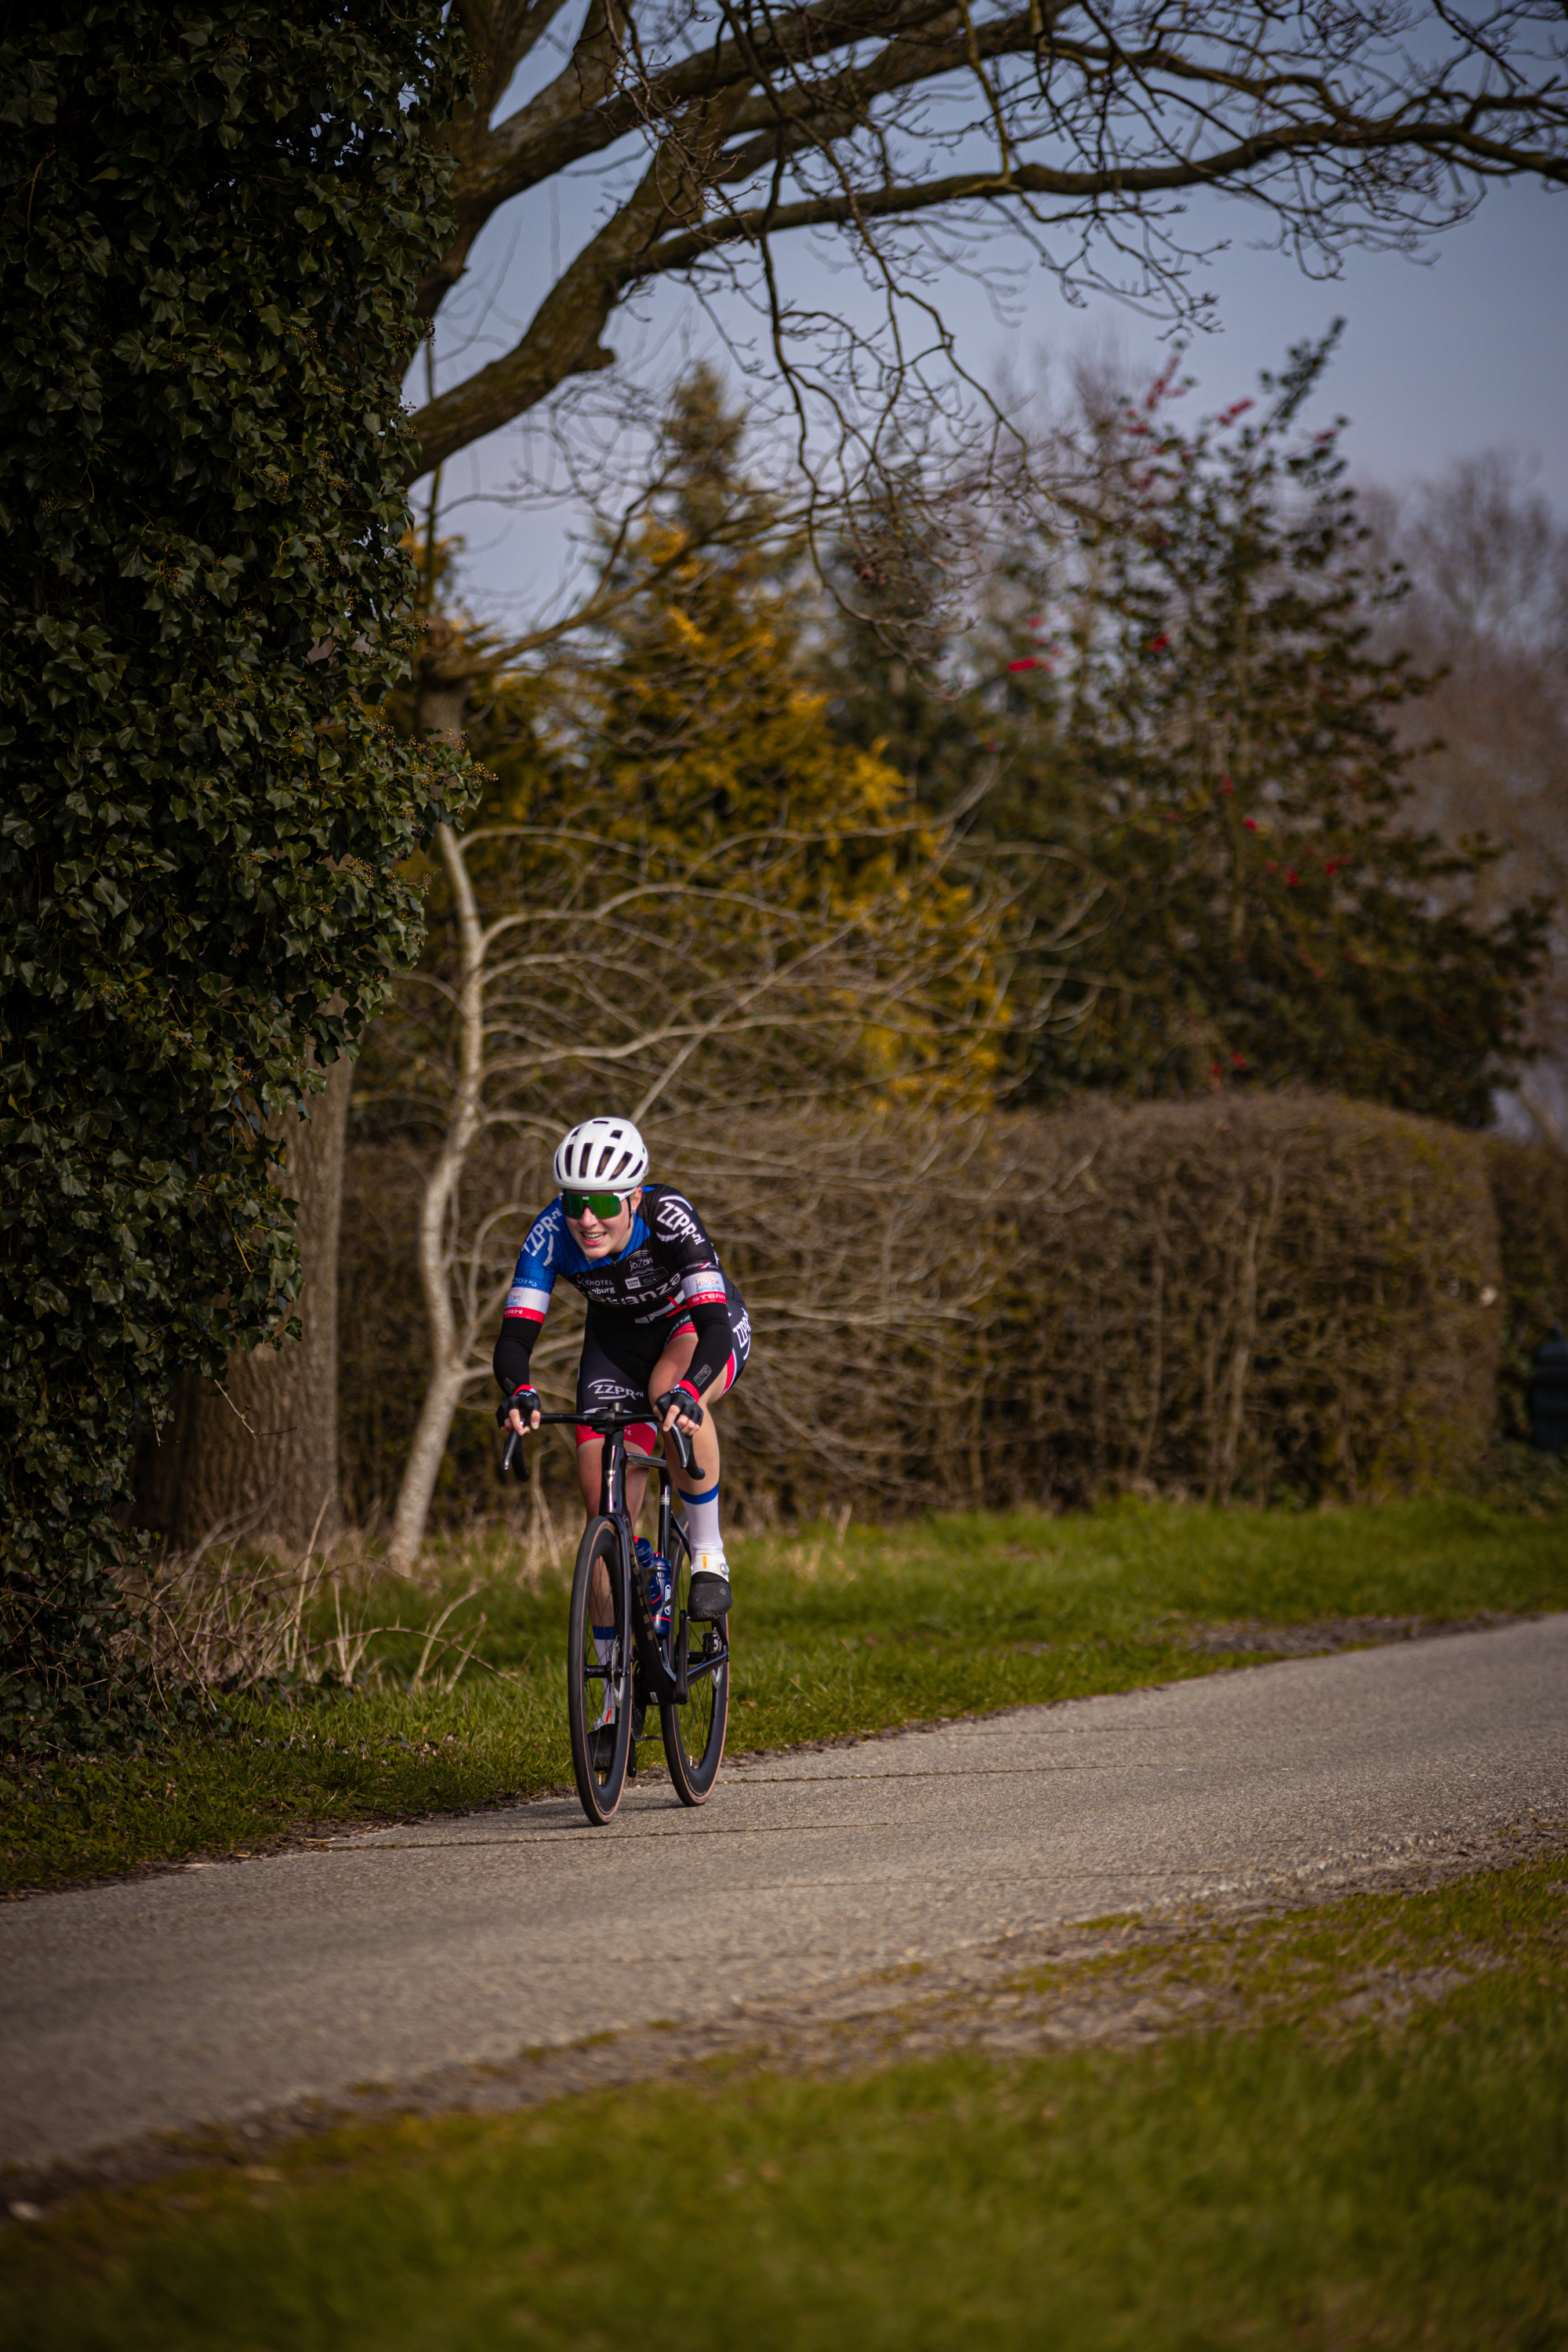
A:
[600,1786]
[694,1734]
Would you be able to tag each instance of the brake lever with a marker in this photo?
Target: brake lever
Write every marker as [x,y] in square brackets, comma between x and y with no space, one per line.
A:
[514,1458]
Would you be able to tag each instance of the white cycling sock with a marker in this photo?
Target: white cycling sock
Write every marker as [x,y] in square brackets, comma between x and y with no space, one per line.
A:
[702,1520]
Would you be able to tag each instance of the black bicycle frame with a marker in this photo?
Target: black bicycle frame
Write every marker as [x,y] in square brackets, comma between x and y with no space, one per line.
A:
[665,1685]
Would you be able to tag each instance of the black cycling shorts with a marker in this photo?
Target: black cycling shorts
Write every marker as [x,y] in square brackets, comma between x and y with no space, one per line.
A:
[618,1358]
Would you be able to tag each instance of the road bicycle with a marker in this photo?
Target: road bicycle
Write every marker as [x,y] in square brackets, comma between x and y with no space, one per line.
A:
[683,1668]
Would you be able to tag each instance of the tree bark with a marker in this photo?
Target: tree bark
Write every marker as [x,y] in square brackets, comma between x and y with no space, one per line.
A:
[256,1454]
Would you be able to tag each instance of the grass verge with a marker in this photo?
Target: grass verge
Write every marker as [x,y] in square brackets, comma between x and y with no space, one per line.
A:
[1371,2148]
[837,1635]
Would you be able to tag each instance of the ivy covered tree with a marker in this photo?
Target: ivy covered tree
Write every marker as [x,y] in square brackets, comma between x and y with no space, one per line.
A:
[214,218]
[1200,788]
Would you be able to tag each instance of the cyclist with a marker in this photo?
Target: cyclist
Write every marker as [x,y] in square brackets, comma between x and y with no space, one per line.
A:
[665,1326]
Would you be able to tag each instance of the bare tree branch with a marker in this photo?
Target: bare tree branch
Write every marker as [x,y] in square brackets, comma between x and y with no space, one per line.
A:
[1076,128]
[705,991]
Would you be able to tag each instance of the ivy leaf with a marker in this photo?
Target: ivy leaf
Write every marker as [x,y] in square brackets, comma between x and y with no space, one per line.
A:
[192,502]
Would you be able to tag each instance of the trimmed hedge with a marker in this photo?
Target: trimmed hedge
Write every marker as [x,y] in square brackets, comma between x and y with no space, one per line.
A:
[1288,1297]
[1253,1299]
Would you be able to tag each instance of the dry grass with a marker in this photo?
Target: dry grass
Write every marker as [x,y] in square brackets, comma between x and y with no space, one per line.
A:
[238,1621]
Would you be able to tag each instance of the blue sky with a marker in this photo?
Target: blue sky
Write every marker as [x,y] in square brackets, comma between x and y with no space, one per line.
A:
[1465,352]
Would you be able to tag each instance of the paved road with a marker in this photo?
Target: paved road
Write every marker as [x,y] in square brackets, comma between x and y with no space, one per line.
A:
[211,1994]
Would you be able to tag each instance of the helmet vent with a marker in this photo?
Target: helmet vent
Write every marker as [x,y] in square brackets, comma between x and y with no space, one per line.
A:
[607,1151]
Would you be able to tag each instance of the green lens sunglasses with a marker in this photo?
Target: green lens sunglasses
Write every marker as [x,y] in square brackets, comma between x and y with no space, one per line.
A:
[604,1204]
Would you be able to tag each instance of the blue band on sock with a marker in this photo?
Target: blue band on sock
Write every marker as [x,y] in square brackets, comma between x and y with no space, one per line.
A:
[708,1497]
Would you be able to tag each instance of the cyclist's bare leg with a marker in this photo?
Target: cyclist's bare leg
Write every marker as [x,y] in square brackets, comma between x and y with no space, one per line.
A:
[697,1487]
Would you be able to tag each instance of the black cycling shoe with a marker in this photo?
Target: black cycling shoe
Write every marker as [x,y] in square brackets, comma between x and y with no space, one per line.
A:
[708,1598]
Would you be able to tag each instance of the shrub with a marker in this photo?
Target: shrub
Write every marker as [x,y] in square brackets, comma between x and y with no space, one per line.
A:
[1263,1297]
[1293,1297]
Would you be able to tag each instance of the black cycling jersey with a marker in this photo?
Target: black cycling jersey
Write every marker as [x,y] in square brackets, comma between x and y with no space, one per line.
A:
[668,1276]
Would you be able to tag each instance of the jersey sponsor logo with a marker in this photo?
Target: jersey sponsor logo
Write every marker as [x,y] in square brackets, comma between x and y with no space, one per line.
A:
[742,1330]
[522,1299]
[537,1256]
[616,1289]
[677,1223]
[612,1393]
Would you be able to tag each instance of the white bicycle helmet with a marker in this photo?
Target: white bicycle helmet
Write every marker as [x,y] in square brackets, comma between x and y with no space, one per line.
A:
[606,1155]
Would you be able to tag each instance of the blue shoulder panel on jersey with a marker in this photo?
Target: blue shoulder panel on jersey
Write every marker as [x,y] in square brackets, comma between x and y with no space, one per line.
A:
[542,1255]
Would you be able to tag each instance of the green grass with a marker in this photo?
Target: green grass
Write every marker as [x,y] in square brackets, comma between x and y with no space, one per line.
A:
[1312,2180]
[835,1636]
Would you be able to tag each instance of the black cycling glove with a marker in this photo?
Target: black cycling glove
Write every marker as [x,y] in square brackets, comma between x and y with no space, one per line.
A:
[525,1400]
[684,1397]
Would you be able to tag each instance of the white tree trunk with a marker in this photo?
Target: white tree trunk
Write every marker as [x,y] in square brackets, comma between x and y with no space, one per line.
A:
[443,1395]
[448,1340]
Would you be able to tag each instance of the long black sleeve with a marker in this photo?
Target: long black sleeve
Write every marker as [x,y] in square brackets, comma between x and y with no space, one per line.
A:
[711,1320]
[514,1353]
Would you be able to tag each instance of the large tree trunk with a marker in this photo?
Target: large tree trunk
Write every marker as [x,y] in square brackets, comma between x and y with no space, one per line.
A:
[257,1454]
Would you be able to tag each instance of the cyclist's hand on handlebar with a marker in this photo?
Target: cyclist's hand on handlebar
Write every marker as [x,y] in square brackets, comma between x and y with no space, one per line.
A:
[521,1411]
[680,1404]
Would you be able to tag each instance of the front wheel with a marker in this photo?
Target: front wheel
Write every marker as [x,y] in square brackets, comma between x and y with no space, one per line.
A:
[599,1670]
[694,1734]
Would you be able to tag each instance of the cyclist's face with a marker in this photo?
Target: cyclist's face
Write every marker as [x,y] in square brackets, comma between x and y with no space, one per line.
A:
[604,1236]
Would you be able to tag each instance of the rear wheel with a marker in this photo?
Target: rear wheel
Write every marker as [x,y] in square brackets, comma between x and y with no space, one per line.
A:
[694,1734]
[599,1670]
